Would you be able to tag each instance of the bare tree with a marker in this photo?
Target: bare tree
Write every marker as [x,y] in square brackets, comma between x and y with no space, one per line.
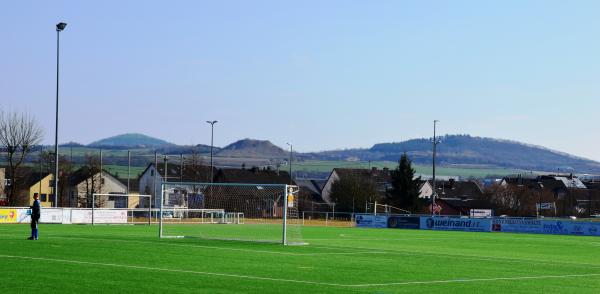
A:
[19,133]
[513,200]
[92,183]
[65,169]
[351,191]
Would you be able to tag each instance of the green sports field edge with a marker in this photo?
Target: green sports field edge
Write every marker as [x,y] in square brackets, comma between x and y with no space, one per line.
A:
[130,258]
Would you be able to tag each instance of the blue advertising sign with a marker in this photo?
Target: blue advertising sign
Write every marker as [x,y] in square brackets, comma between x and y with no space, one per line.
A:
[551,227]
[404,222]
[557,227]
[371,221]
[517,225]
[456,224]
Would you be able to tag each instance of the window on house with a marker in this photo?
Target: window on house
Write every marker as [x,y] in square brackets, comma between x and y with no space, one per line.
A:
[151,172]
[43,198]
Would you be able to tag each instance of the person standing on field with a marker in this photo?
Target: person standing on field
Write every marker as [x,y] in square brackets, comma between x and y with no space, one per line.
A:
[36,213]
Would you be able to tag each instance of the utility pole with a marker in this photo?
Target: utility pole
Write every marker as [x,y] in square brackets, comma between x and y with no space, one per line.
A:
[435,142]
[128,169]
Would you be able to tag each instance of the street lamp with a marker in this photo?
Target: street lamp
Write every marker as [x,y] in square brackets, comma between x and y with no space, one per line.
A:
[59,28]
[212,127]
[434,193]
[291,152]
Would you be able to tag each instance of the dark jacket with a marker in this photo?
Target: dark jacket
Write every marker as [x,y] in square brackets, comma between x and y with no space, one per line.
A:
[36,210]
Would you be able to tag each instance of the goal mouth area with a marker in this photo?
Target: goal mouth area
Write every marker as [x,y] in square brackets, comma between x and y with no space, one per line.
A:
[265,213]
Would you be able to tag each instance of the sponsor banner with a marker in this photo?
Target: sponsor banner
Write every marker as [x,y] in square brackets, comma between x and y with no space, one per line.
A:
[545,206]
[80,216]
[480,213]
[52,216]
[371,221]
[550,227]
[557,227]
[517,225]
[8,216]
[456,224]
[101,216]
[404,222]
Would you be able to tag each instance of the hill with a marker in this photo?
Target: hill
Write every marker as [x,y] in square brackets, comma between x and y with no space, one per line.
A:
[465,150]
[130,140]
[251,148]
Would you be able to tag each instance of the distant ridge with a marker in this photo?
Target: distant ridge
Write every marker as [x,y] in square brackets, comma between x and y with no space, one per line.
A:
[465,150]
[455,150]
[131,140]
[252,148]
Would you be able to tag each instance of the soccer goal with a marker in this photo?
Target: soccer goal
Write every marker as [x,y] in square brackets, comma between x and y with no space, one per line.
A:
[247,212]
[121,209]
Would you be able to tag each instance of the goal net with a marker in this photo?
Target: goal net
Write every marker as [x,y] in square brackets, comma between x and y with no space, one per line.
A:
[248,212]
[121,209]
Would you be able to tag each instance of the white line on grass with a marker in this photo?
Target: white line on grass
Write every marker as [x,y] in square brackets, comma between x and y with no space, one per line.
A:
[466,256]
[477,280]
[139,267]
[302,281]
[222,248]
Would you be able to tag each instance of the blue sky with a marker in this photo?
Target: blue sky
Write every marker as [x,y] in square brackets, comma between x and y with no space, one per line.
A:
[320,74]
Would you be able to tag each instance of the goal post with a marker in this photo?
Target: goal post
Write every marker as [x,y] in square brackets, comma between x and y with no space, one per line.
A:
[246,212]
[115,208]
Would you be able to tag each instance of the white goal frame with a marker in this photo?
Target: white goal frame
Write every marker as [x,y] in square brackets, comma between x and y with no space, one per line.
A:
[284,187]
[122,195]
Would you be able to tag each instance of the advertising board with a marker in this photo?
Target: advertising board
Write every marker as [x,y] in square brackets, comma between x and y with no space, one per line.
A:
[455,224]
[404,222]
[101,216]
[371,221]
[558,227]
[517,225]
[481,213]
[52,216]
[8,216]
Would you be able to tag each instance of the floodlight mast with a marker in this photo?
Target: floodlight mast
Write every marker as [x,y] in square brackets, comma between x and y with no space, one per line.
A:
[212,128]
[59,27]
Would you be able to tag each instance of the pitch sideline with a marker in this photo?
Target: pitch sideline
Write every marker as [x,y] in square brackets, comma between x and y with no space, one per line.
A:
[302,281]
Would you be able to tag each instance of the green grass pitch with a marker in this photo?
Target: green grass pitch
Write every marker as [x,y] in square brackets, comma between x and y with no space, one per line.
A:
[131,259]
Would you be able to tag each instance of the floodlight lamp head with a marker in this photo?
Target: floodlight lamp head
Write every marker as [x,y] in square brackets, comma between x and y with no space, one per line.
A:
[60,26]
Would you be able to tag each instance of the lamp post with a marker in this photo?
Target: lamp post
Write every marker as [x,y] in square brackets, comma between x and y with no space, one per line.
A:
[291,152]
[59,28]
[434,193]
[212,128]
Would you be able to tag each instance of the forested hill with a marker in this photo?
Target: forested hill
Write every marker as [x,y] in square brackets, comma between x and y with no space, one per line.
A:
[474,151]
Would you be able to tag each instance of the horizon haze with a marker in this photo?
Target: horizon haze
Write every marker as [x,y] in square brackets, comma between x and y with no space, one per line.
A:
[321,75]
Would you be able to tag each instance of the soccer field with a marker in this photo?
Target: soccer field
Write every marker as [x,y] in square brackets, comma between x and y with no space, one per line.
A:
[126,258]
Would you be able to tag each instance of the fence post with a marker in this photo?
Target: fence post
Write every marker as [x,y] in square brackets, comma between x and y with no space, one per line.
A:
[93,206]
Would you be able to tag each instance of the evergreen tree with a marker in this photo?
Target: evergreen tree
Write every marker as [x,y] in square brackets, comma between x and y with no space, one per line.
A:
[405,188]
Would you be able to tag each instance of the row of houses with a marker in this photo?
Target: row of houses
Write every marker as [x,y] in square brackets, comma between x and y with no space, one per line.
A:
[565,194]
[84,182]
[454,197]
